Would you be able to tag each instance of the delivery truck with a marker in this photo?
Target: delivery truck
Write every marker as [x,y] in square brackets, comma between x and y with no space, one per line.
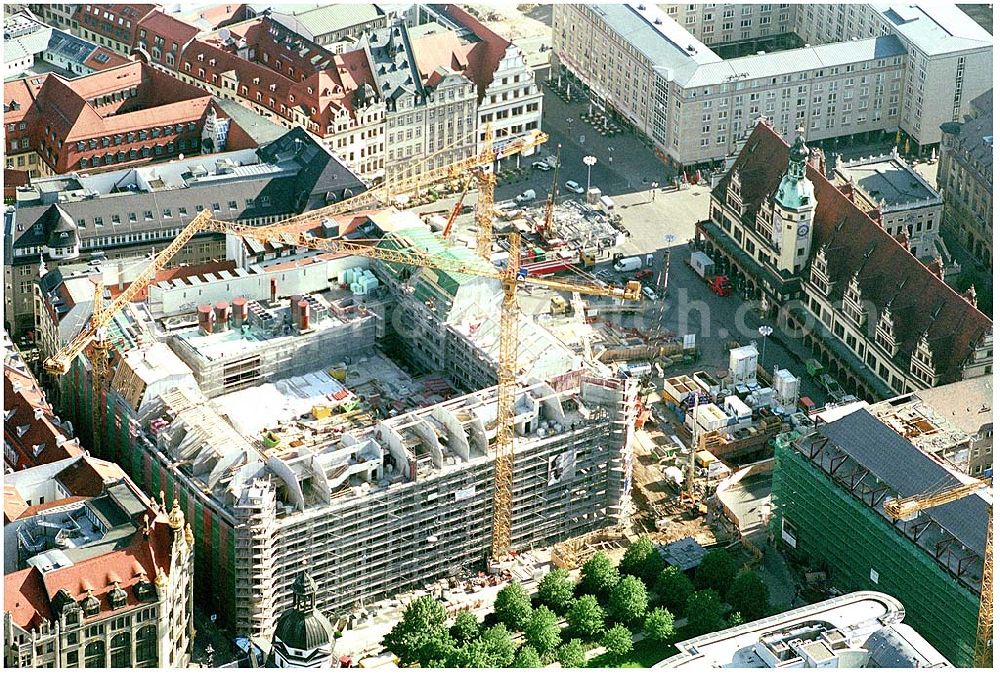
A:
[704,267]
[628,264]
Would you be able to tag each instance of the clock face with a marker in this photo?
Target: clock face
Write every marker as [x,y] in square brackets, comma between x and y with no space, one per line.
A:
[803,230]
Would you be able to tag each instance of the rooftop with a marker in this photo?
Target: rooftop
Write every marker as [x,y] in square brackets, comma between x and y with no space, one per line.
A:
[935,27]
[313,20]
[856,630]
[967,404]
[888,177]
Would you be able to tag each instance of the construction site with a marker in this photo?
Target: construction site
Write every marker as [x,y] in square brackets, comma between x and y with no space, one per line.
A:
[343,409]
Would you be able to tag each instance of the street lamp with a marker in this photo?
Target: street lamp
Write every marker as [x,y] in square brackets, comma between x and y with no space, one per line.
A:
[764,332]
[669,238]
[652,192]
[590,161]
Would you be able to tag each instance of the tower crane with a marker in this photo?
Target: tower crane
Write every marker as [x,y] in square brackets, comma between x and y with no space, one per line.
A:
[906,508]
[550,205]
[511,277]
[446,233]
[480,166]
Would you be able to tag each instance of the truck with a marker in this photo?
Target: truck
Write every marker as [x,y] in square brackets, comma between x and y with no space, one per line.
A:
[628,264]
[525,196]
[704,267]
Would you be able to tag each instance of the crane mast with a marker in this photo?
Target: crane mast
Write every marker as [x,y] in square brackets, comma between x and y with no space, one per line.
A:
[550,205]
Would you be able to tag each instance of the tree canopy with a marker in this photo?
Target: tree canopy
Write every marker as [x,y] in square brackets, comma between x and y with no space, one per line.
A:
[513,606]
[618,641]
[418,634]
[717,571]
[572,654]
[749,596]
[659,624]
[542,630]
[673,588]
[555,590]
[704,612]
[527,657]
[465,629]
[642,560]
[628,601]
[599,576]
[586,617]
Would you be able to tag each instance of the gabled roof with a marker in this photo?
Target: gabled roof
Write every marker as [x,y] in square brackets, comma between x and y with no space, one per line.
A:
[169,27]
[30,427]
[119,23]
[887,273]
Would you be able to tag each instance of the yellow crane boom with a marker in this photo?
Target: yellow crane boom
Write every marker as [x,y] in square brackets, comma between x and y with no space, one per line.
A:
[905,508]
[511,277]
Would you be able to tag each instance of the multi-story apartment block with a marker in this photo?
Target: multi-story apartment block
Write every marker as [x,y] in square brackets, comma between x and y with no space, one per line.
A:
[126,115]
[897,197]
[161,38]
[335,27]
[659,77]
[723,23]
[126,212]
[949,57]
[965,177]
[884,322]
[111,25]
[95,575]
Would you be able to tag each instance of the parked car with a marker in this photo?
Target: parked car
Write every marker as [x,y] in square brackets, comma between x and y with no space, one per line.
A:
[573,186]
[525,196]
[649,293]
[541,166]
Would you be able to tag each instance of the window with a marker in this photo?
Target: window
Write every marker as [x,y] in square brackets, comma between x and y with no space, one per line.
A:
[145,645]
[167,213]
[131,217]
[121,652]
[94,655]
[216,207]
[232,205]
[148,215]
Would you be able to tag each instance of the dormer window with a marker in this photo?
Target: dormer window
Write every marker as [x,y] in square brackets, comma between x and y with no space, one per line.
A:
[922,362]
[852,301]
[818,275]
[734,197]
[885,335]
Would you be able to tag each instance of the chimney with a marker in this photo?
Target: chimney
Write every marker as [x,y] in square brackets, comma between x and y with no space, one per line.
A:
[303,315]
[970,296]
[205,319]
[274,289]
[221,316]
[239,312]
[293,308]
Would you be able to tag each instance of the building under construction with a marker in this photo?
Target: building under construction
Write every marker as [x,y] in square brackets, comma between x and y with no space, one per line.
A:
[291,440]
[829,490]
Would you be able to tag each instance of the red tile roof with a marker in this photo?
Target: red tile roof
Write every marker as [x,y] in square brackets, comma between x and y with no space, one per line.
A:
[887,273]
[111,59]
[28,593]
[174,31]
[29,424]
[485,55]
[88,476]
[38,508]
[13,179]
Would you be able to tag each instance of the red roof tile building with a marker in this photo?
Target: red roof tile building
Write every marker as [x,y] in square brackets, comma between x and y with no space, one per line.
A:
[33,435]
[126,115]
[162,38]
[109,586]
[881,321]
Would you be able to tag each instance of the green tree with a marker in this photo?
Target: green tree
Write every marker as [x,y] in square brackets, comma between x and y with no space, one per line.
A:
[586,617]
[499,645]
[420,622]
[542,630]
[465,629]
[527,657]
[642,560]
[618,641]
[555,590]
[704,612]
[673,588]
[513,606]
[659,624]
[717,571]
[435,649]
[472,655]
[749,596]
[572,654]
[735,619]
[628,601]
[599,576]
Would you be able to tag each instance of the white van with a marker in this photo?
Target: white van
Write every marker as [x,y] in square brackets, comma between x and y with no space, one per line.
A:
[607,203]
[525,196]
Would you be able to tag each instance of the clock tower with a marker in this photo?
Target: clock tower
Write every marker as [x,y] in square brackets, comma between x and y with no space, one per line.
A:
[794,207]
